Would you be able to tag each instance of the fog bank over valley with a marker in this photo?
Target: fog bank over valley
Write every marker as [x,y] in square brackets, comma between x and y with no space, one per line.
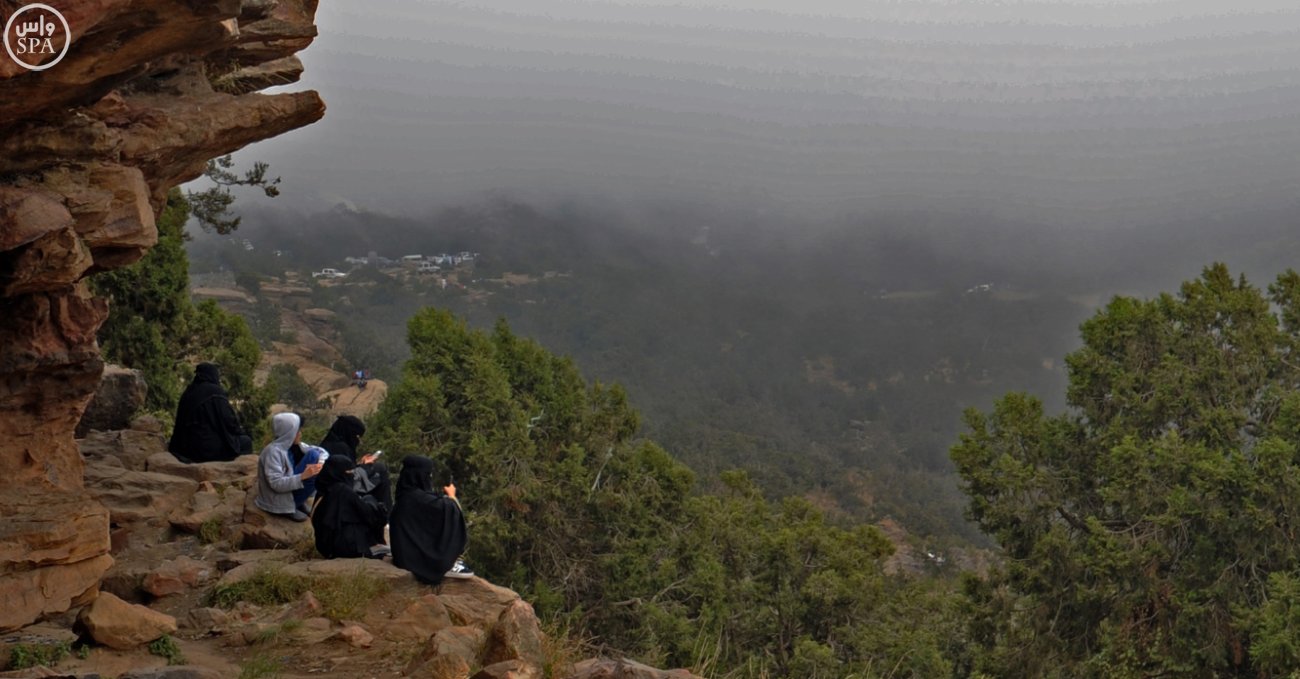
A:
[1095,115]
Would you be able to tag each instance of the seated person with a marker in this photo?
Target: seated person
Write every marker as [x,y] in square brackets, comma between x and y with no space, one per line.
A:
[302,455]
[371,477]
[427,530]
[206,427]
[347,525]
[276,478]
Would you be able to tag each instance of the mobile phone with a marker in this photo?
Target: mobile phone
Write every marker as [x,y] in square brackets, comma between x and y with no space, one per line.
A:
[376,454]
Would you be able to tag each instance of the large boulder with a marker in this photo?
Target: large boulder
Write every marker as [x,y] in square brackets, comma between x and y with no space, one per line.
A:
[475,601]
[124,626]
[119,397]
[261,530]
[517,635]
[53,550]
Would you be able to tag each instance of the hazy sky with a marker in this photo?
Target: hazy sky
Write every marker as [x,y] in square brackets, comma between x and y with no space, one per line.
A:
[1111,113]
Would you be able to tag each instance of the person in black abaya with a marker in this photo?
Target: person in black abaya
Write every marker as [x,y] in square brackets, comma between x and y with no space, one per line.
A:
[371,477]
[347,525]
[427,530]
[206,427]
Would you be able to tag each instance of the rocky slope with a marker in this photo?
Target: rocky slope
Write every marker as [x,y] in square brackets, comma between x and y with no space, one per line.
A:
[204,580]
[148,92]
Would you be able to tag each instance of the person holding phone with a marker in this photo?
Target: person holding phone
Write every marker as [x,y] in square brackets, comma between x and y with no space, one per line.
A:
[276,479]
[347,525]
[371,476]
[427,529]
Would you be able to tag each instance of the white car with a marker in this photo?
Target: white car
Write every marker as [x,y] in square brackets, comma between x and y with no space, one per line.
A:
[328,273]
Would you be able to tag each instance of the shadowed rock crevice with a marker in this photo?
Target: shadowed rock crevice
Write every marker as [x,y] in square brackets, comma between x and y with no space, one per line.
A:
[148,92]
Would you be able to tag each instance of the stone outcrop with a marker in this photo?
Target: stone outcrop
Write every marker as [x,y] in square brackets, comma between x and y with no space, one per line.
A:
[127,448]
[133,496]
[148,92]
[53,550]
[261,530]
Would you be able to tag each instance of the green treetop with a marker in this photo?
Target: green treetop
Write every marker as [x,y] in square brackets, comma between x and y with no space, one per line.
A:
[1151,529]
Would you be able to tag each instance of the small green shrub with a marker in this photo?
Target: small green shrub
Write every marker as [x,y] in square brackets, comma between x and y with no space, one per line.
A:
[24,656]
[210,531]
[165,647]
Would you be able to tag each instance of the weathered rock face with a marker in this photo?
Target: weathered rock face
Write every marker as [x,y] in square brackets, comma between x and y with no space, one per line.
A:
[53,551]
[147,93]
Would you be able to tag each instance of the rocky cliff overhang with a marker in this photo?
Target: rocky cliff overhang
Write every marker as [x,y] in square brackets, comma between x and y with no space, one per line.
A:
[147,93]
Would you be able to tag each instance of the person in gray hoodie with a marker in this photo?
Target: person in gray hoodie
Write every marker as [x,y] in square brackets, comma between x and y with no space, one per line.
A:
[276,479]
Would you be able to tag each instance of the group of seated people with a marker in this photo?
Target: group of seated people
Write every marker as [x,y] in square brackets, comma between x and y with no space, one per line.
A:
[348,499]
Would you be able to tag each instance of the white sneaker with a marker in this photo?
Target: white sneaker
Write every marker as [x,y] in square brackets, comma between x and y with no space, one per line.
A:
[459,570]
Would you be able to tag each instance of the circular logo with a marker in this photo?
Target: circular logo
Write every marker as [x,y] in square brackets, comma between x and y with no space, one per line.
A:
[31,40]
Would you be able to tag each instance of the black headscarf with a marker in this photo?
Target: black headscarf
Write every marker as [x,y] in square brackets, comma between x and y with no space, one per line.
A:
[346,524]
[207,372]
[344,436]
[335,471]
[206,429]
[427,531]
[417,474]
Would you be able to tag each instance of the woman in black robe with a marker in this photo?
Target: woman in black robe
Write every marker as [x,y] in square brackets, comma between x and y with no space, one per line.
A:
[347,525]
[371,477]
[427,530]
[207,429]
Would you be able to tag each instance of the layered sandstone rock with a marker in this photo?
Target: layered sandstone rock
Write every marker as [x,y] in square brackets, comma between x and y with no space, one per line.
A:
[53,551]
[148,92]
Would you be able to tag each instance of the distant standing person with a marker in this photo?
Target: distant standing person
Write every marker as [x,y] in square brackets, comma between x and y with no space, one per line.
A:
[207,429]
[427,530]
[276,479]
[371,477]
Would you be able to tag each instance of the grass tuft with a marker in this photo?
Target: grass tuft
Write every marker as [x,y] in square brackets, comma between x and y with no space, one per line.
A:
[165,647]
[341,597]
[26,656]
[269,586]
